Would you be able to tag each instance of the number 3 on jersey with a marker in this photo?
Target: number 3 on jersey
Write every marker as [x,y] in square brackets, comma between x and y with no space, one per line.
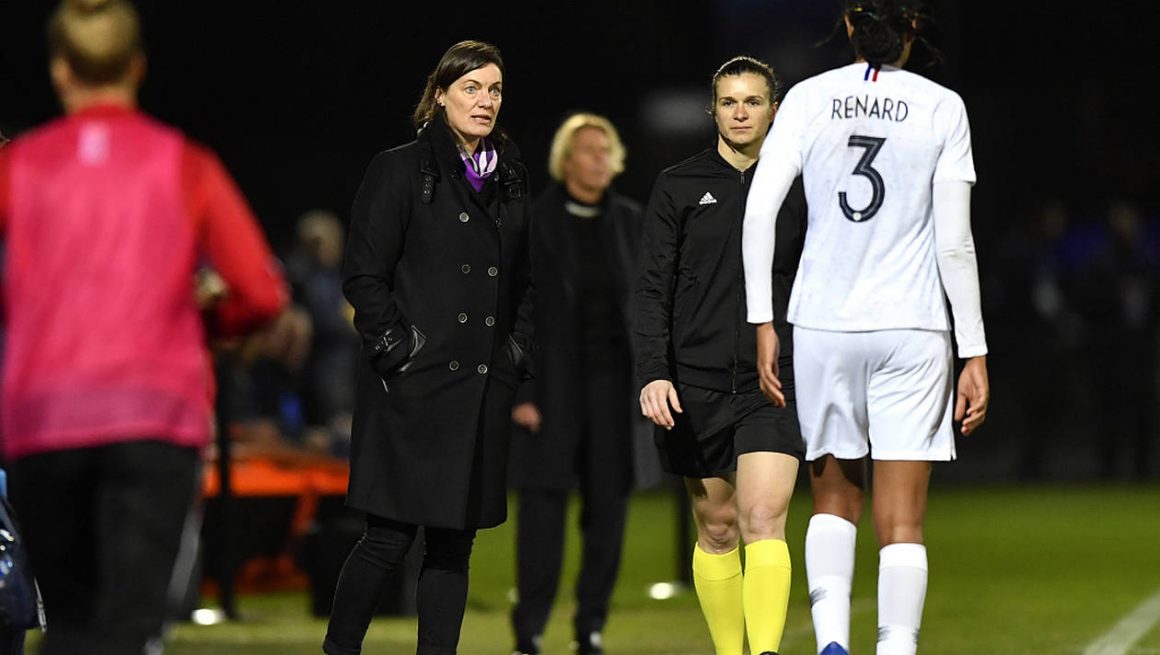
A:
[865,168]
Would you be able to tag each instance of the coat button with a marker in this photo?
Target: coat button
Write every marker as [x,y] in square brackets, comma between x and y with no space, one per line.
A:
[489,321]
[463,217]
[462,317]
[454,365]
[466,268]
[482,368]
[492,271]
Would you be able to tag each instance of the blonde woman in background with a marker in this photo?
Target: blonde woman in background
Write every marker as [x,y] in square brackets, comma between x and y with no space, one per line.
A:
[576,416]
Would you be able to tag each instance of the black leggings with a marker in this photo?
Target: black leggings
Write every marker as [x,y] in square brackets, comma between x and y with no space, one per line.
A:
[441,596]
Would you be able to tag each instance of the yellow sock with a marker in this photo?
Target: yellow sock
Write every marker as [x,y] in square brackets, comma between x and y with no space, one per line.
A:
[717,579]
[766,593]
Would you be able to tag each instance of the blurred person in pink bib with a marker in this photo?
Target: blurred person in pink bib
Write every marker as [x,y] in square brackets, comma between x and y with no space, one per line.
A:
[106,216]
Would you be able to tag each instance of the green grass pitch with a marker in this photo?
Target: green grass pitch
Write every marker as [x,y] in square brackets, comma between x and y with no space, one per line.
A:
[1044,569]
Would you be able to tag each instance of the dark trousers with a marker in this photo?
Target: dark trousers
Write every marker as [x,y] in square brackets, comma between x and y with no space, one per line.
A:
[442,590]
[604,466]
[103,526]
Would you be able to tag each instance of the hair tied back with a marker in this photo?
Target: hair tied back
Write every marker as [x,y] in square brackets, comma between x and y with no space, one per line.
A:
[89,6]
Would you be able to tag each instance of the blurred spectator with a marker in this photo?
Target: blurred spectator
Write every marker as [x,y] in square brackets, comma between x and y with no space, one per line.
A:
[268,419]
[281,464]
[1039,319]
[314,269]
[1120,304]
[577,415]
[106,381]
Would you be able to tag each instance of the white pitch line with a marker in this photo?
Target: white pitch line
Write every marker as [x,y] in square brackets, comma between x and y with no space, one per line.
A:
[1128,631]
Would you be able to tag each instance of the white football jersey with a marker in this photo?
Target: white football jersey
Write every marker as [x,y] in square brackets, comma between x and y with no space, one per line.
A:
[869,145]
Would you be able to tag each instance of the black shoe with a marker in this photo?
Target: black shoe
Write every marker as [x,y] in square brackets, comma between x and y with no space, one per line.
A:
[768,652]
[528,646]
[590,644]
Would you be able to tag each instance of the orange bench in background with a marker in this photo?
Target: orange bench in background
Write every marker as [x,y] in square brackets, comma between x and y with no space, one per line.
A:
[277,496]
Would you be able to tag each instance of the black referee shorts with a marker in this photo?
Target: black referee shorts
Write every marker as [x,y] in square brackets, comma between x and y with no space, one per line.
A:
[716,427]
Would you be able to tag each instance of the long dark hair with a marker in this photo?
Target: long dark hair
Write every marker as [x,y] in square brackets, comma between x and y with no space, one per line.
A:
[459,60]
[881,27]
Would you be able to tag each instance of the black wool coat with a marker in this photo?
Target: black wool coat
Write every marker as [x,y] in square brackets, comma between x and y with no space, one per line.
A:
[547,458]
[440,279]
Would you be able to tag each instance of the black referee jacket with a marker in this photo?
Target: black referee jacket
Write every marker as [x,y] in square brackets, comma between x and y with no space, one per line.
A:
[690,316]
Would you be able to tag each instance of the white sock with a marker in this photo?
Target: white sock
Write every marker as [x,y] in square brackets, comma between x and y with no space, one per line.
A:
[901,591]
[830,572]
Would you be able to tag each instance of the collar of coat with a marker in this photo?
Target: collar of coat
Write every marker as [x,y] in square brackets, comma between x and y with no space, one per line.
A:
[439,152]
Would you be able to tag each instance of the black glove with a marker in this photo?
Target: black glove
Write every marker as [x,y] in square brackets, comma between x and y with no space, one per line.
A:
[520,358]
[396,349]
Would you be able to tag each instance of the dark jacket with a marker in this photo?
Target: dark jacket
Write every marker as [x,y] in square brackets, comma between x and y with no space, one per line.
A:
[548,457]
[690,324]
[440,279]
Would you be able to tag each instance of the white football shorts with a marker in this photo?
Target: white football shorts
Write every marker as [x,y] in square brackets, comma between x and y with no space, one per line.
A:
[886,393]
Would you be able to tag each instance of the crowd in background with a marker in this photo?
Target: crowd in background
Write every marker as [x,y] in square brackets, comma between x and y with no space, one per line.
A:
[291,387]
[1072,310]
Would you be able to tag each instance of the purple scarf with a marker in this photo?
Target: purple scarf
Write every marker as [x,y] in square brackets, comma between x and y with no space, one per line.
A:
[480,165]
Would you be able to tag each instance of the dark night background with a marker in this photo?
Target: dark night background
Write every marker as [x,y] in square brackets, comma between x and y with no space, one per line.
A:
[296,97]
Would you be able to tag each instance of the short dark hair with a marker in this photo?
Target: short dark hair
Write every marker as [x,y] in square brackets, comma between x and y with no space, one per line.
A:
[880,27]
[459,60]
[746,64]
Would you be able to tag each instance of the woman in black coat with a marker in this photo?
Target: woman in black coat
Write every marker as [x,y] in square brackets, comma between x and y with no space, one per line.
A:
[584,247]
[437,269]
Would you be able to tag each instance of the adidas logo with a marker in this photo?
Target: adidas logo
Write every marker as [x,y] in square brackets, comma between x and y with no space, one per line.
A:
[707,199]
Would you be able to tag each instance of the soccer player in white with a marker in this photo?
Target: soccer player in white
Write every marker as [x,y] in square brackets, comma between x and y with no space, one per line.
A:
[885,156]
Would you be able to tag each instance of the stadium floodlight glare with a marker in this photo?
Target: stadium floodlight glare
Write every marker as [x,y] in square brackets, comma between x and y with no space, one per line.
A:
[663,590]
[208,616]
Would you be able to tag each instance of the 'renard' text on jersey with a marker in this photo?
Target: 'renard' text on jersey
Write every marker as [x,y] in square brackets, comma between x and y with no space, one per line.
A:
[869,106]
